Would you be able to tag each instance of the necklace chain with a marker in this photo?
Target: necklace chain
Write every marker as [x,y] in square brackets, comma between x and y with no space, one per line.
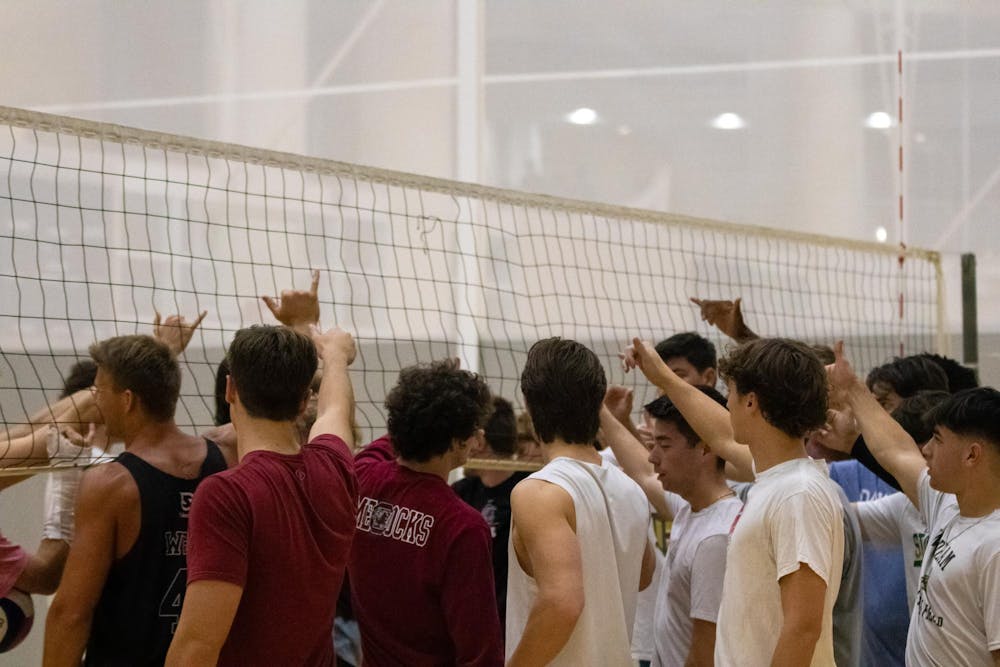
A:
[949,539]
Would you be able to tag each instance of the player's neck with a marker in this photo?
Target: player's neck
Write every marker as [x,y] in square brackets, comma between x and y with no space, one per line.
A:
[491,478]
[150,434]
[439,466]
[707,493]
[979,498]
[254,435]
[771,447]
[580,452]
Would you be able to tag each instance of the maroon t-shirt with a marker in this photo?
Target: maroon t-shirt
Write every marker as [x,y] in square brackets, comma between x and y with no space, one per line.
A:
[421,569]
[279,526]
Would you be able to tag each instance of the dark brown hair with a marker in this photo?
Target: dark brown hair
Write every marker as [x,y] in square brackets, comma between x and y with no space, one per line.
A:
[431,405]
[563,384]
[788,379]
[144,366]
[272,367]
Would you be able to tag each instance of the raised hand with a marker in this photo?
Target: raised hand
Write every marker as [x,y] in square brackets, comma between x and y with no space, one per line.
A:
[840,373]
[297,309]
[175,332]
[726,316]
[642,355]
[618,400]
[335,344]
[840,431]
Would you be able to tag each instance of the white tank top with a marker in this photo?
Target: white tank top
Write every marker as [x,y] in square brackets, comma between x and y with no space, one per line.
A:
[612,519]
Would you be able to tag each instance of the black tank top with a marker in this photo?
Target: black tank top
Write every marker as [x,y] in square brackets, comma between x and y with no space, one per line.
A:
[137,614]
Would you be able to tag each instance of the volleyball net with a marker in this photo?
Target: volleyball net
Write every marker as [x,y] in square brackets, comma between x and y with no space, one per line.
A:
[101,226]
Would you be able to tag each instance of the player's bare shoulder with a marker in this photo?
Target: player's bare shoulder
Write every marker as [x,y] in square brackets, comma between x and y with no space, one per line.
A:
[108,485]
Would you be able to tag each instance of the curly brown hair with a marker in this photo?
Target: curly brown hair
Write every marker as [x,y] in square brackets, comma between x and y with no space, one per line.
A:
[433,404]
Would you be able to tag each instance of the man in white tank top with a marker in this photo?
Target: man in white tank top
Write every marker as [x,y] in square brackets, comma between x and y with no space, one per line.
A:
[579,549]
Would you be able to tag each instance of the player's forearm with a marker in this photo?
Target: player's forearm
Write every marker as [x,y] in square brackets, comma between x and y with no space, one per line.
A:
[701,656]
[548,628]
[711,422]
[744,334]
[631,455]
[188,652]
[891,446]
[335,404]
[45,568]
[30,449]
[708,419]
[66,632]
[45,415]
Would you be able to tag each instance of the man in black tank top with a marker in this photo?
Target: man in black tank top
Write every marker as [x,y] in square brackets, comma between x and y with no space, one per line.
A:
[124,582]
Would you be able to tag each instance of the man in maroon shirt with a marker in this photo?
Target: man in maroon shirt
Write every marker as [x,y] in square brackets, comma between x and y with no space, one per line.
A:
[269,538]
[421,571]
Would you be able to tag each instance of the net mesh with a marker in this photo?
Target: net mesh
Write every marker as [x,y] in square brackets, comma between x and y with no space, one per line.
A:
[101,226]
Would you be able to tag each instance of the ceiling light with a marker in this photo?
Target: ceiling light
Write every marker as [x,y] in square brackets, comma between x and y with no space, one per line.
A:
[881,234]
[624,130]
[879,120]
[582,116]
[728,121]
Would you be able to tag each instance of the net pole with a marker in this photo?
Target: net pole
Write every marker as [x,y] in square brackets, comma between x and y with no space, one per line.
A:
[469,27]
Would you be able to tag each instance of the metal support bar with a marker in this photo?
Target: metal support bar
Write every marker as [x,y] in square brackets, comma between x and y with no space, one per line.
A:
[530,77]
[970,325]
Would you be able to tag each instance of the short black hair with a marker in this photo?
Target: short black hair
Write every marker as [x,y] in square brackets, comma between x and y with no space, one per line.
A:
[698,350]
[433,404]
[788,379]
[908,375]
[959,377]
[664,409]
[913,411]
[144,366]
[81,376]
[501,427]
[222,415]
[563,384]
[272,368]
[971,413]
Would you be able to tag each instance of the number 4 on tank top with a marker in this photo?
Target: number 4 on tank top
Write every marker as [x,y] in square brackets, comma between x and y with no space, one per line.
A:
[173,599]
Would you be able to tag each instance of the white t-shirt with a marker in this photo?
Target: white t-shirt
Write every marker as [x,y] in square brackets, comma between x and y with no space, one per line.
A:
[612,524]
[956,619]
[793,515]
[893,521]
[691,583]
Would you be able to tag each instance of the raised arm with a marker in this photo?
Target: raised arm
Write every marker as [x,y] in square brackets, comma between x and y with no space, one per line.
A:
[631,455]
[335,406]
[74,410]
[891,445]
[708,419]
[727,317]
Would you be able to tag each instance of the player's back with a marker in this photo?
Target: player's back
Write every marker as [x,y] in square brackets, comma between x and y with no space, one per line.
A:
[612,519]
